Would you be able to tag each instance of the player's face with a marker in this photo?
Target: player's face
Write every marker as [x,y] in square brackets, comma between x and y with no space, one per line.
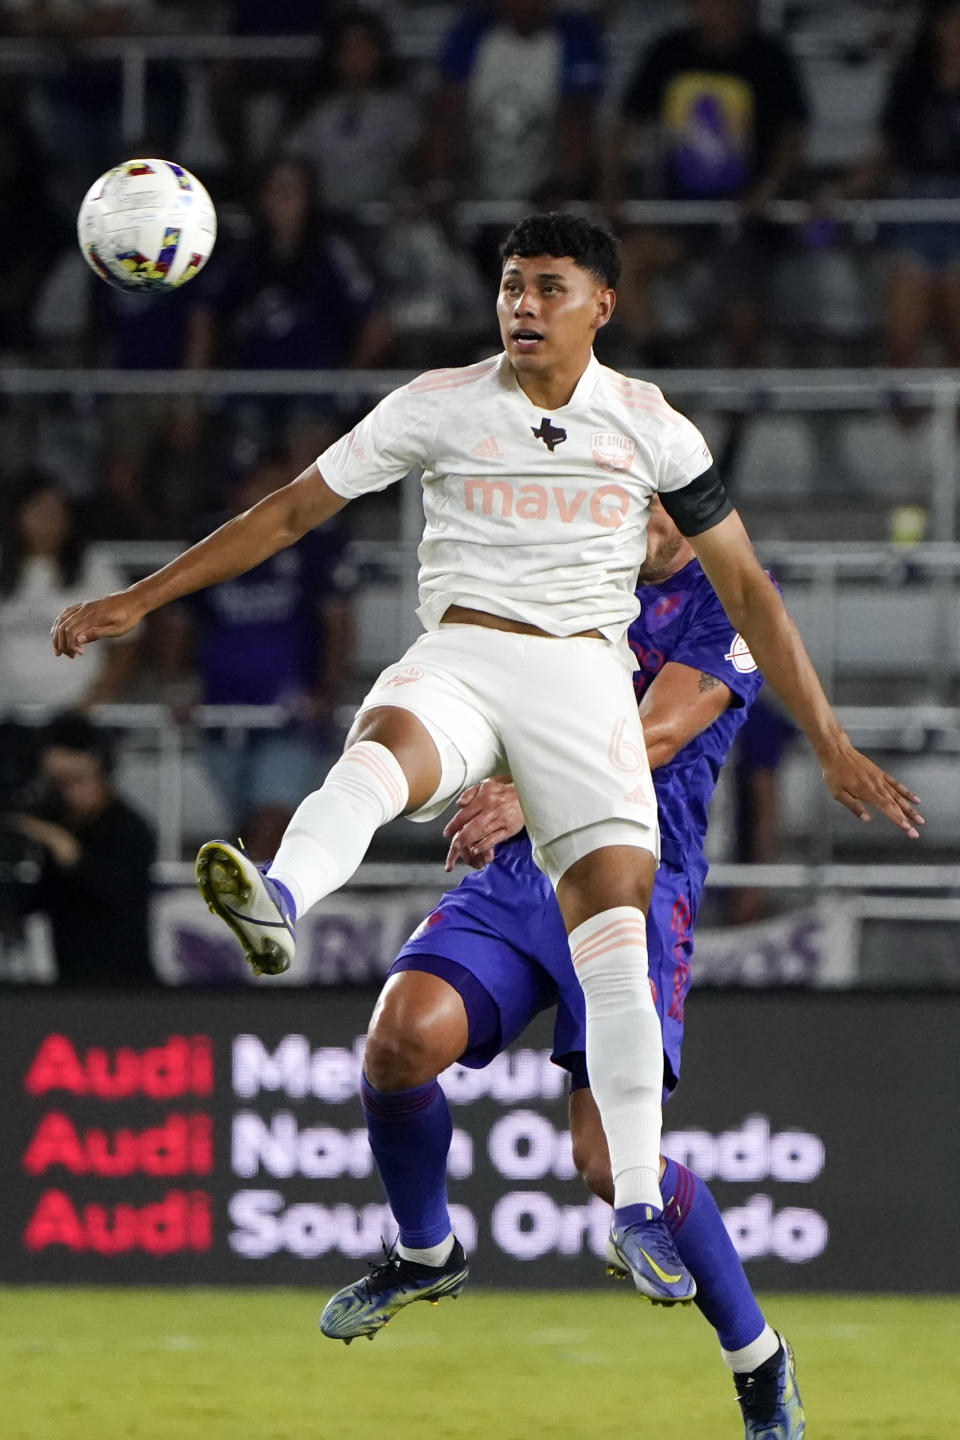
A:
[549,311]
[667,550]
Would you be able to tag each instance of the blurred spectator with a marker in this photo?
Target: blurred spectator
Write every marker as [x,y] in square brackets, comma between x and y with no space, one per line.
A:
[763,741]
[294,296]
[151,465]
[82,105]
[95,854]
[519,84]
[134,331]
[250,101]
[361,126]
[152,475]
[28,246]
[436,300]
[724,113]
[44,567]
[918,150]
[278,635]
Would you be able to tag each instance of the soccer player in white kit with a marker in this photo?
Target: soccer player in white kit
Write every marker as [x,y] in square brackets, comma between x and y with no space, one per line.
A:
[538,466]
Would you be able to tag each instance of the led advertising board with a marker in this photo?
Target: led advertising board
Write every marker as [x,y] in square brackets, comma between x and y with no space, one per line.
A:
[217,1138]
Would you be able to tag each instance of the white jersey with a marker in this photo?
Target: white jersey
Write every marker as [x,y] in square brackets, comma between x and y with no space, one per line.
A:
[536,516]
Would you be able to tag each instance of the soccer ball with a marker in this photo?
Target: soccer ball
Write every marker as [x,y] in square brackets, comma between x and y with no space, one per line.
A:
[147,225]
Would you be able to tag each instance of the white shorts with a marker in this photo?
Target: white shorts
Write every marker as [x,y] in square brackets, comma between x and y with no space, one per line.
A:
[559,715]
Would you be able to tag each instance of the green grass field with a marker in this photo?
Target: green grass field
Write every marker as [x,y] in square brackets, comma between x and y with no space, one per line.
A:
[251,1365]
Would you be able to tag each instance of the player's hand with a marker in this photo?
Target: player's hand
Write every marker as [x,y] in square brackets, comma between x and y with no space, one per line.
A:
[486,814]
[858,783]
[80,625]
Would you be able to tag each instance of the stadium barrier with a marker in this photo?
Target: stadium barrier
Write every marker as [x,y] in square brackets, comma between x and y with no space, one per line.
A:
[841,926]
[759,392]
[162,771]
[210,1139]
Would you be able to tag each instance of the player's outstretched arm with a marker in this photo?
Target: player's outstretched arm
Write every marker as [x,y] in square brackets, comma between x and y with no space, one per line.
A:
[756,610]
[247,540]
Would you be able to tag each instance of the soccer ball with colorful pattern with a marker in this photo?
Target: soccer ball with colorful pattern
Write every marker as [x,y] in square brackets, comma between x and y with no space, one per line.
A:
[147,225]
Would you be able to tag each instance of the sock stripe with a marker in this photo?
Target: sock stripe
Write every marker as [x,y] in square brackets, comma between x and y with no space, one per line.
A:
[610,940]
[677,1208]
[634,917]
[380,770]
[684,1194]
[635,925]
[378,766]
[397,1104]
[369,760]
[616,927]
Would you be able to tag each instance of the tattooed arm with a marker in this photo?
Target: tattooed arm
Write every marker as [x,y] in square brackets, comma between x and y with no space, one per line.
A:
[678,705]
[708,682]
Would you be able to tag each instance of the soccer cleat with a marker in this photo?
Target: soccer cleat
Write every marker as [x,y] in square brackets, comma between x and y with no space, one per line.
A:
[769,1398]
[255,907]
[366,1306]
[646,1252]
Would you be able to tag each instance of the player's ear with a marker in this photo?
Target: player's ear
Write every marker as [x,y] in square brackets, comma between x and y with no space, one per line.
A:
[606,301]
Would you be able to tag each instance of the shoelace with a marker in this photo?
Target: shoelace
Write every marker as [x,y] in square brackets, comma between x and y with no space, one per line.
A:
[758,1397]
[382,1271]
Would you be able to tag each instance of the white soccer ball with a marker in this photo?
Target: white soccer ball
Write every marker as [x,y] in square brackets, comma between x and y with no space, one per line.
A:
[147,225]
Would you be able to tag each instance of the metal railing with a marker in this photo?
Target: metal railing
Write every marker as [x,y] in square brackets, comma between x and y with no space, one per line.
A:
[750,391]
[173,744]
[821,571]
[417,39]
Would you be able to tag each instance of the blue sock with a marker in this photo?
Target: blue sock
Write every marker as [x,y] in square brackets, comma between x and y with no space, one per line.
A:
[410,1133]
[724,1296]
[288,902]
[635,1215]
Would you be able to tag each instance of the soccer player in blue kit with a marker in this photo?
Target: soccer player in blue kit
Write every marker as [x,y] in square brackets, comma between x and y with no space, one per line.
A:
[494,953]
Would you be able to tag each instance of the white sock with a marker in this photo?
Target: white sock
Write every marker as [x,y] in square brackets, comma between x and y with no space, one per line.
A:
[332,828]
[624,1048]
[743,1361]
[430,1255]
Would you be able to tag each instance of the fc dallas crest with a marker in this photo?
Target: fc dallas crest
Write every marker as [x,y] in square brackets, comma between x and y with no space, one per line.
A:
[612,451]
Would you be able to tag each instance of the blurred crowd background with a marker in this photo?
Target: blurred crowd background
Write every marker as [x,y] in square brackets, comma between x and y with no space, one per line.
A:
[785,178]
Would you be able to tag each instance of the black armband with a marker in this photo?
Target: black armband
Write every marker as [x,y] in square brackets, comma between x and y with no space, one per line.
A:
[700,505]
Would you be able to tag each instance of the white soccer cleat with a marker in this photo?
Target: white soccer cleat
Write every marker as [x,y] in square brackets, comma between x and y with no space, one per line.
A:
[257,909]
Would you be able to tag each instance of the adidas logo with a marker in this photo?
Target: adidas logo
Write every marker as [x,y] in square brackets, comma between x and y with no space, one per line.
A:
[638,796]
[487,450]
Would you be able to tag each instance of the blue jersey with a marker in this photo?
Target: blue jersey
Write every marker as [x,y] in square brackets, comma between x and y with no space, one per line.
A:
[503,923]
[682,620]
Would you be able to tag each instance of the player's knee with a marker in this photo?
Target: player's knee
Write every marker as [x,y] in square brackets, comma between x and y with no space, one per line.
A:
[398,1056]
[593,1166]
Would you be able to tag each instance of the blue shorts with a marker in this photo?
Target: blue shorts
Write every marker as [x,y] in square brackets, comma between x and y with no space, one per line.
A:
[501,928]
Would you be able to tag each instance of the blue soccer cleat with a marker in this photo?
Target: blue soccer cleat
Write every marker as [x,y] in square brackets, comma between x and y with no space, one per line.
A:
[257,909]
[366,1306]
[769,1398]
[646,1252]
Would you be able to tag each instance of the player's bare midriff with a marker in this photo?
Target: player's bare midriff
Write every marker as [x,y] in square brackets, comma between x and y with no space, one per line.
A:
[465,615]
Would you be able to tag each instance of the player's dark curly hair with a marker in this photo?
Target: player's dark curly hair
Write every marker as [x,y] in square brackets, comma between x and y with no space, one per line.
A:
[590,246]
